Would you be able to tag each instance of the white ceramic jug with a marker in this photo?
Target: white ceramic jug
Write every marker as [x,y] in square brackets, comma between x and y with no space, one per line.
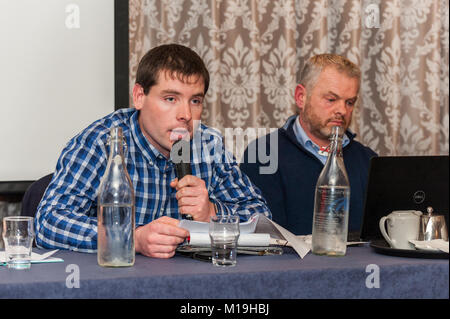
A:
[402,226]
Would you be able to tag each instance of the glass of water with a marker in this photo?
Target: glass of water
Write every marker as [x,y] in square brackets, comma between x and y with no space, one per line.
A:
[18,235]
[224,234]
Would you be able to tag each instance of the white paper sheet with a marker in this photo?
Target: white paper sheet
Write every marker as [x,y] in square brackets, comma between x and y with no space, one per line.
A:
[271,234]
[247,227]
[249,240]
[297,242]
[432,245]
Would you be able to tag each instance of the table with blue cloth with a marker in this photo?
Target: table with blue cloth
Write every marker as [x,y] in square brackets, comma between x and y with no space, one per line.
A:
[362,273]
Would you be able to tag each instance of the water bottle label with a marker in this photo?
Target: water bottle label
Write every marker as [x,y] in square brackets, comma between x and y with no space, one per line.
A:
[330,209]
[338,205]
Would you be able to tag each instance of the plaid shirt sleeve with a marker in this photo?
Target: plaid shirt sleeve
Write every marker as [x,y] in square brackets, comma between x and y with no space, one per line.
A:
[65,217]
[232,191]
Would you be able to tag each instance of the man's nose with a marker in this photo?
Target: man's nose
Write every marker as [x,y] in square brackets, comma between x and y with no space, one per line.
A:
[340,108]
[184,112]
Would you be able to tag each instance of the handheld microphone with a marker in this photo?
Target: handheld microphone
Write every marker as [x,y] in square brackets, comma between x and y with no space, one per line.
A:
[180,155]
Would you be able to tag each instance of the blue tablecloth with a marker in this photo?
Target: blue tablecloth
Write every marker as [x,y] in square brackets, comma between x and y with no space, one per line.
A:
[279,277]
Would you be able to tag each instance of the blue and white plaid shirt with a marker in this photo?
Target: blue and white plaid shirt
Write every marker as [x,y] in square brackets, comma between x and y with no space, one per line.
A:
[67,215]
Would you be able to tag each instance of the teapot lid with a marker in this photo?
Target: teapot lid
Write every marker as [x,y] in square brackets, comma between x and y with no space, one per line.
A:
[430,213]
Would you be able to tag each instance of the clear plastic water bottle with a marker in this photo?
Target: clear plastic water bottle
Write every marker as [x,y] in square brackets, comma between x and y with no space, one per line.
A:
[116,208]
[332,202]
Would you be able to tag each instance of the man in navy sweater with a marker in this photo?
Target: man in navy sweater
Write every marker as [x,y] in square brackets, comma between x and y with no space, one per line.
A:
[297,152]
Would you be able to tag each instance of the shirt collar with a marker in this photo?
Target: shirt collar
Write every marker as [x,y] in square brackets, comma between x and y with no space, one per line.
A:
[148,150]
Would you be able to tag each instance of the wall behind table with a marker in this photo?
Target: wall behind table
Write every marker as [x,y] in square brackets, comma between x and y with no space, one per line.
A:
[57,76]
[255,51]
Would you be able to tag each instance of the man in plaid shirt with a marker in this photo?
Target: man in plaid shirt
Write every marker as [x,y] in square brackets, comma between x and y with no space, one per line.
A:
[171,84]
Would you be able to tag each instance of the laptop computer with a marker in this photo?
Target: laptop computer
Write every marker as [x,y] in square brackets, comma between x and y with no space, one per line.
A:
[404,183]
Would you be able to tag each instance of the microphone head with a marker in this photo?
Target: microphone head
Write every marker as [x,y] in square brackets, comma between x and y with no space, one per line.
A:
[180,152]
[180,155]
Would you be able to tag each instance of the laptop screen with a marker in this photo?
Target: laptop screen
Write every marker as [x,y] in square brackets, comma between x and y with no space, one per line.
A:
[404,183]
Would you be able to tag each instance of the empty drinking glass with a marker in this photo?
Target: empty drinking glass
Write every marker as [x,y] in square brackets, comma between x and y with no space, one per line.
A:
[224,234]
[18,235]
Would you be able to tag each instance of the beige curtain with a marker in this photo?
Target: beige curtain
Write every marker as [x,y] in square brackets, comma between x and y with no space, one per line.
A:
[254,50]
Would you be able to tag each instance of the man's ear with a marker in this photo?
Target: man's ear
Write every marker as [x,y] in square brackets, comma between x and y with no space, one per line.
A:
[138,96]
[300,96]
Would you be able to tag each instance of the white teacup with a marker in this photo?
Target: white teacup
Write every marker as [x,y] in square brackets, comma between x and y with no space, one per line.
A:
[402,226]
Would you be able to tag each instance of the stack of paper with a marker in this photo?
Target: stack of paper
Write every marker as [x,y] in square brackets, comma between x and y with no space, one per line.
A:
[258,231]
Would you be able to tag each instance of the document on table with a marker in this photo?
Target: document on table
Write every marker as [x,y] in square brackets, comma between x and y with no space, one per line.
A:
[257,231]
[203,227]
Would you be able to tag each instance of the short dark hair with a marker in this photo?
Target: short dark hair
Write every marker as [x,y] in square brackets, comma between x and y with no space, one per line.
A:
[178,60]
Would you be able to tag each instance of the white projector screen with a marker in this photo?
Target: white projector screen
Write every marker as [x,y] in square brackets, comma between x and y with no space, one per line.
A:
[56,77]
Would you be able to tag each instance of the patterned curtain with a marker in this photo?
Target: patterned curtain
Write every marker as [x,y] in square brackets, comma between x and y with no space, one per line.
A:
[255,49]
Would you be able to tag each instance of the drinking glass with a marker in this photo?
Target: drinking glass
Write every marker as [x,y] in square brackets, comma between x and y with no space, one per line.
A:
[224,234]
[18,235]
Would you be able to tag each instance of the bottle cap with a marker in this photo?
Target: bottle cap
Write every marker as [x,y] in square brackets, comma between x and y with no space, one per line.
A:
[336,132]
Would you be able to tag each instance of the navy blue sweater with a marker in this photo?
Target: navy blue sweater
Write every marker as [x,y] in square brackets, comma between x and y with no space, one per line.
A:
[290,190]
